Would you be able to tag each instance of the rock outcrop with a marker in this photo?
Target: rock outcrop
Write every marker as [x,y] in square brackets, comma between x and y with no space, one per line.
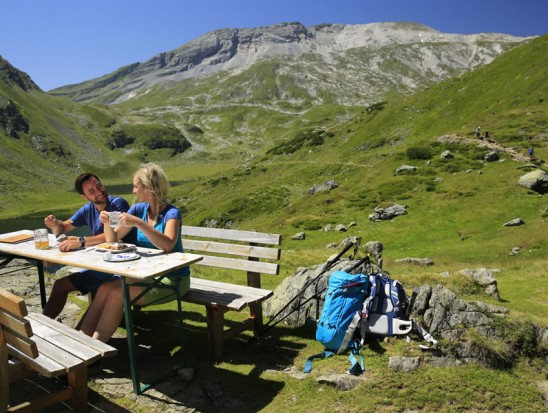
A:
[536,181]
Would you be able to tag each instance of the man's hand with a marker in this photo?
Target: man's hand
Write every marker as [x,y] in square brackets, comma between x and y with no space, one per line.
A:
[72,243]
[57,226]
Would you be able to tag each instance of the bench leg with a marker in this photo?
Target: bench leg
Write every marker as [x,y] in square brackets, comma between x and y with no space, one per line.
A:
[256,313]
[255,309]
[215,328]
[78,381]
[4,378]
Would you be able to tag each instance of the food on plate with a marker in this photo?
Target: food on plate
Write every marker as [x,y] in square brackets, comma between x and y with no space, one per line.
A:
[113,246]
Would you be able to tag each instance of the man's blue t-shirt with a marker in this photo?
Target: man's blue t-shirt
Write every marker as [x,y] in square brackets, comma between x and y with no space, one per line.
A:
[169,212]
[89,215]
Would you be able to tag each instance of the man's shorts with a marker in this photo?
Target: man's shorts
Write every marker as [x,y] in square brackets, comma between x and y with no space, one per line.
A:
[89,281]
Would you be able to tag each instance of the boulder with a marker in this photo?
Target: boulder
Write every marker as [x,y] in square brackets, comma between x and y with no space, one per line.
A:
[406,169]
[299,236]
[342,382]
[387,213]
[446,155]
[404,364]
[299,298]
[416,261]
[484,278]
[375,249]
[514,222]
[491,156]
[325,187]
[536,180]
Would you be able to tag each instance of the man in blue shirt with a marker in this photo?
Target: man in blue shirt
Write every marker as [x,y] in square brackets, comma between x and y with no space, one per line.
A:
[90,189]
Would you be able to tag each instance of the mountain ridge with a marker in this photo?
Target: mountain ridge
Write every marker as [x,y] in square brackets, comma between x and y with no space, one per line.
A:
[234,50]
[224,118]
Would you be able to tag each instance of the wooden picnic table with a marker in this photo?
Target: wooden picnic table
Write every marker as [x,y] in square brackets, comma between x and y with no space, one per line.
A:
[152,264]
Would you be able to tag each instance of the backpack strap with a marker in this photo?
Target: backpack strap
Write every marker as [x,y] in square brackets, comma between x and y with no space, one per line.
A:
[357,366]
[425,335]
[356,359]
[349,334]
[366,307]
[323,355]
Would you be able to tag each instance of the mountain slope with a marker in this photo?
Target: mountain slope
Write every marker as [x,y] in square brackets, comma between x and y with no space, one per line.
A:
[404,55]
[507,97]
[234,117]
[41,133]
[247,90]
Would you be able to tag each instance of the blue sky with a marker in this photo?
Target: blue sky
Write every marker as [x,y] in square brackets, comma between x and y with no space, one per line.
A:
[60,42]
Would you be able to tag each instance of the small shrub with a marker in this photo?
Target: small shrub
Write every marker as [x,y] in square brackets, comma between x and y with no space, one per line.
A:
[119,139]
[491,352]
[303,138]
[312,225]
[216,181]
[376,107]
[421,153]
[521,336]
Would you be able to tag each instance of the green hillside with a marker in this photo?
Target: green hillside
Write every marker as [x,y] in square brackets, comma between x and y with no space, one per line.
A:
[457,221]
[456,207]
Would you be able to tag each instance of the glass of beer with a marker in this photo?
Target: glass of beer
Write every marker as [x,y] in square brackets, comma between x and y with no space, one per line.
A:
[41,239]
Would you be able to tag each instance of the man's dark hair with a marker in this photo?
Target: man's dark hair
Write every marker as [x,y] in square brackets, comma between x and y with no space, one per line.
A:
[81,179]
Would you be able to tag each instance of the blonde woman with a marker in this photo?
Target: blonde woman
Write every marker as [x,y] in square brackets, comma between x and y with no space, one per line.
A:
[158,225]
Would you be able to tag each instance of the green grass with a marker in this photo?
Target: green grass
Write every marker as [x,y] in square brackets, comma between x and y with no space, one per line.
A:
[457,222]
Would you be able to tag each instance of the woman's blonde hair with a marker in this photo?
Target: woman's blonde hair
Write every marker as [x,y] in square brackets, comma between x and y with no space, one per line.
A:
[153,178]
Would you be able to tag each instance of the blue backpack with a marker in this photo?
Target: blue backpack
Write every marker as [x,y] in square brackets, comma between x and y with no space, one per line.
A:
[340,317]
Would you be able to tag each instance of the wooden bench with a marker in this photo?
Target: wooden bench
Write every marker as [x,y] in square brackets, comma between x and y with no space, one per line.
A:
[233,250]
[40,344]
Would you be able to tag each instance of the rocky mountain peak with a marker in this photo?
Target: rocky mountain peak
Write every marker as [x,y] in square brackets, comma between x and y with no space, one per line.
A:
[234,50]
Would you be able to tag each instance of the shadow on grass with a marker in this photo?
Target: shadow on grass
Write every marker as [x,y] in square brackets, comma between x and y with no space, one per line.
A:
[36,386]
[237,383]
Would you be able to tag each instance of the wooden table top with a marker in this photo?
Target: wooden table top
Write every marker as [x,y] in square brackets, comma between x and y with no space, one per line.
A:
[151,264]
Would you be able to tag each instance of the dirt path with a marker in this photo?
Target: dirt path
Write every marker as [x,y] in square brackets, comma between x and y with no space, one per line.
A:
[490,144]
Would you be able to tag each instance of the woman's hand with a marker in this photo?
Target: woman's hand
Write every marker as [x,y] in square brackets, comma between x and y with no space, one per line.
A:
[110,233]
[128,220]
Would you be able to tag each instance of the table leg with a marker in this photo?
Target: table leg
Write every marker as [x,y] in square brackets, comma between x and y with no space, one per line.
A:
[39,265]
[132,347]
[42,282]
[6,260]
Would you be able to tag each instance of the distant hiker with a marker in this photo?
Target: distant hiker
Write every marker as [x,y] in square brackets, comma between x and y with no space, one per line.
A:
[486,137]
[531,153]
[478,132]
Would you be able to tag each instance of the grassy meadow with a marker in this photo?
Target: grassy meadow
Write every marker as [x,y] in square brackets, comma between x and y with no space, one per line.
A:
[456,211]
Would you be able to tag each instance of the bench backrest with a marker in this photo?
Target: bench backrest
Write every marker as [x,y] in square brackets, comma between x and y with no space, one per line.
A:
[15,329]
[234,249]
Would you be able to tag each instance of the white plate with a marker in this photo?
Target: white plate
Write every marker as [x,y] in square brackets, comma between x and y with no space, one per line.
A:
[110,257]
[129,247]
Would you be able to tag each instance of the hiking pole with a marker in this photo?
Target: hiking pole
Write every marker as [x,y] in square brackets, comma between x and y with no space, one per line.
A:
[358,264]
[330,262]
[411,302]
